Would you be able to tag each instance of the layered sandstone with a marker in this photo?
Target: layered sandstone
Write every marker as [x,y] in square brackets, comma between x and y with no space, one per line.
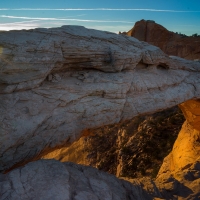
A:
[55,83]
[169,42]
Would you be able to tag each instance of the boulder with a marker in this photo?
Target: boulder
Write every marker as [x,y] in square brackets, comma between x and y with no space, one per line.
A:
[50,179]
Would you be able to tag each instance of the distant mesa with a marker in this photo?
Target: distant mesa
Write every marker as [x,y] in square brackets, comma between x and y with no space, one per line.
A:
[171,43]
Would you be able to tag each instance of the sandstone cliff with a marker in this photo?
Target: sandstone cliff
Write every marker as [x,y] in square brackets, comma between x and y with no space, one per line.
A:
[171,43]
[134,148]
[180,172]
[58,83]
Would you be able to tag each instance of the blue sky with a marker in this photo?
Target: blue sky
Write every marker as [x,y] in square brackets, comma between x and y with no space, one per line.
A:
[119,15]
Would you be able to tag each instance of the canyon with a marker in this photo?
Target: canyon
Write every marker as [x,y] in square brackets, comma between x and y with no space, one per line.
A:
[57,84]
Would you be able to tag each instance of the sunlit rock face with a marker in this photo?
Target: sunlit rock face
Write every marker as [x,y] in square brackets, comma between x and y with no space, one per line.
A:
[186,150]
[191,110]
[169,42]
[56,83]
[75,153]
[180,171]
[126,149]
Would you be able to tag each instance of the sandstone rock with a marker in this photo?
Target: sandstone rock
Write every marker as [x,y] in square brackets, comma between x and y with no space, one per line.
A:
[57,83]
[75,153]
[180,172]
[171,43]
[50,179]
[191,110]
[185,152]
[101,78]
[134,148]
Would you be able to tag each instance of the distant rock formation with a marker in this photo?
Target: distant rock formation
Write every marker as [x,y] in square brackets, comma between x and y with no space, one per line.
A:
[171,43]
[57,83]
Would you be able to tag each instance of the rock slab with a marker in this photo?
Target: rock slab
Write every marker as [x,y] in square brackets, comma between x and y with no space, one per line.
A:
[56,83]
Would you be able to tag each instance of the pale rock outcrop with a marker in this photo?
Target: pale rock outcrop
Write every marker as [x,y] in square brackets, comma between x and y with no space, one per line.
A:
[50,179]
[55,83]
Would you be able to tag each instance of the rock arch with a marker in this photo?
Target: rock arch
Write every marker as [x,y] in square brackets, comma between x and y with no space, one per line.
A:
[55,83]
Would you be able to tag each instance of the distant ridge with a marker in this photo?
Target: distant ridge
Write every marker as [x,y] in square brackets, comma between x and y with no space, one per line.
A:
[171,43]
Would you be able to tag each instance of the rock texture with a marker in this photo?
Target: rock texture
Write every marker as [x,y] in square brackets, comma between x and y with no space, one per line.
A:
[180,172]
[50,179]
[171,43]
[191,110]
[56,83]
[134,148]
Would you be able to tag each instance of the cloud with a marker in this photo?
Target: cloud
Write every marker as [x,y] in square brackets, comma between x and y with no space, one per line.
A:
[37,22]
[98,9]
[18,26]
[22,22]
[64,19]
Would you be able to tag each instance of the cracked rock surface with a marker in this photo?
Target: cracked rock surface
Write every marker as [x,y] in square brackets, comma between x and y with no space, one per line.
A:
[55,83]
[50,179]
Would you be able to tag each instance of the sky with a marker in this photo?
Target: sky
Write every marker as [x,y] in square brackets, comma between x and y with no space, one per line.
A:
[181,16]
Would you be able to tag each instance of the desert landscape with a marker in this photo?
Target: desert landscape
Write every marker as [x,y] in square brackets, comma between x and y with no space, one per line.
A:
[87,114]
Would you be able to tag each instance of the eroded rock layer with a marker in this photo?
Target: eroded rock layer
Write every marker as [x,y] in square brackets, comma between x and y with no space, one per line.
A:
[180,171]
[171,43]
[56,83]
[134,148]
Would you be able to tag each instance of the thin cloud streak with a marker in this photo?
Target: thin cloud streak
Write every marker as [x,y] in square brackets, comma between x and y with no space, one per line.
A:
[98,9]
[18,27]
[64,19]
[15,23]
